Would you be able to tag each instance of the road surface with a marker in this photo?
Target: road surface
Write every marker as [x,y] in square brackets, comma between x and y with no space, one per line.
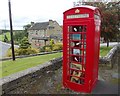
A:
[4,47]
[110,44]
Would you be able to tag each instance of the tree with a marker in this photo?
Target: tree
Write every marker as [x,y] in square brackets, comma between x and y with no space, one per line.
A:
[52,42]
[26,27]
[5,38]
[18,36]
[110,19]
[24,44]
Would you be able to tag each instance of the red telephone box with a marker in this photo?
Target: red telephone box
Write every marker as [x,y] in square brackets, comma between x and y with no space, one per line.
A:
[81,41]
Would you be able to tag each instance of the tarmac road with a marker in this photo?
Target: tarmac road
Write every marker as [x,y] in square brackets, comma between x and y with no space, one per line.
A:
[110,44]
[4,47]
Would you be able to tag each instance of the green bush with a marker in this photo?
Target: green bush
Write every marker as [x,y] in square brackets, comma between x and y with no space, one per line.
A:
[57,46]
[47,48]
[32,51]
[52,42]
[5,38]
[42,49]
[24,44]
[9,52]
[54,47]
[16,52]
[21,51]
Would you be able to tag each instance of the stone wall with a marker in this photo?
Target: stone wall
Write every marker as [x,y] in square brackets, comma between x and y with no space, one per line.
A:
[25,81]
[111,58]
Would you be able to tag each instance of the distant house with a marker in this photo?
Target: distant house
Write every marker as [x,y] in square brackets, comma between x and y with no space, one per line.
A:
[40,34]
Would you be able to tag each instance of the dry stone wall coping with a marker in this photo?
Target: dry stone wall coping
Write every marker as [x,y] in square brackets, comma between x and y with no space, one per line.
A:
[108,58]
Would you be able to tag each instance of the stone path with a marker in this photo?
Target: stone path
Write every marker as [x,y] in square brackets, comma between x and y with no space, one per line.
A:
[104,87]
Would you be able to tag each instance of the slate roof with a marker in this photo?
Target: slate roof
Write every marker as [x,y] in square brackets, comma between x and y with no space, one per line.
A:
[39,26]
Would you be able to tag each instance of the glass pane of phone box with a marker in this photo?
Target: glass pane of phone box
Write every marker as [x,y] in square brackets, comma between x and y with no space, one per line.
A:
[76,37]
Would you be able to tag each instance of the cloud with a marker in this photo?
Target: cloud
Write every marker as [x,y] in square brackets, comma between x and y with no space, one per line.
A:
[25,11]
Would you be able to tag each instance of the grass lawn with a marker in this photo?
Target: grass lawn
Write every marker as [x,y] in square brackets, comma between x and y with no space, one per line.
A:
[2,36]
[104,50]
[10,67]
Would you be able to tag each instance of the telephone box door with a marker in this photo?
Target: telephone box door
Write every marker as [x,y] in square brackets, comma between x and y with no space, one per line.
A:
[75,68]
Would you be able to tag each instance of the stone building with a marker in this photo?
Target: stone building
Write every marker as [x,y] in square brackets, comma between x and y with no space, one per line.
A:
[40,34]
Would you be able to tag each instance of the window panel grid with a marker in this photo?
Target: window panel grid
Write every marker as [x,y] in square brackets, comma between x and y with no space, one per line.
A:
[77,53]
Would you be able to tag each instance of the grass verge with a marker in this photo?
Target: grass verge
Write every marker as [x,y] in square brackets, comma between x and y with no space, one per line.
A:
[104,50]
[10,67]
[2,36]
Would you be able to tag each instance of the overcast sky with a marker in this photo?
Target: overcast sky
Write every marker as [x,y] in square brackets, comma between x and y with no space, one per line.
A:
[25,11]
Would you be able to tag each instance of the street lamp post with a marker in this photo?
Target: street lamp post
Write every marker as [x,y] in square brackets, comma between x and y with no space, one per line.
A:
[11,30]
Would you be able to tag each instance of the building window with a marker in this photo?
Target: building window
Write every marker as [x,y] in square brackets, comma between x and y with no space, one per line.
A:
[51,27]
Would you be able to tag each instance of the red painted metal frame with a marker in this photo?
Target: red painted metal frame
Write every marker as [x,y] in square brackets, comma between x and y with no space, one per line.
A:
[92,49]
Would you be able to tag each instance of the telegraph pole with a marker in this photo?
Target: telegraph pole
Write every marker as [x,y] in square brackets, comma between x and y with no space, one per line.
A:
[11,30]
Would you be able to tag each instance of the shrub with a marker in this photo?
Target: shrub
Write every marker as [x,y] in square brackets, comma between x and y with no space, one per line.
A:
[52,42]
[24,44]
[47,48]
[16,52]
[42,49]
[5,38]
[54,47]
[9,52]
[21,51]
[57,46]
[32,51]
[28,51]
